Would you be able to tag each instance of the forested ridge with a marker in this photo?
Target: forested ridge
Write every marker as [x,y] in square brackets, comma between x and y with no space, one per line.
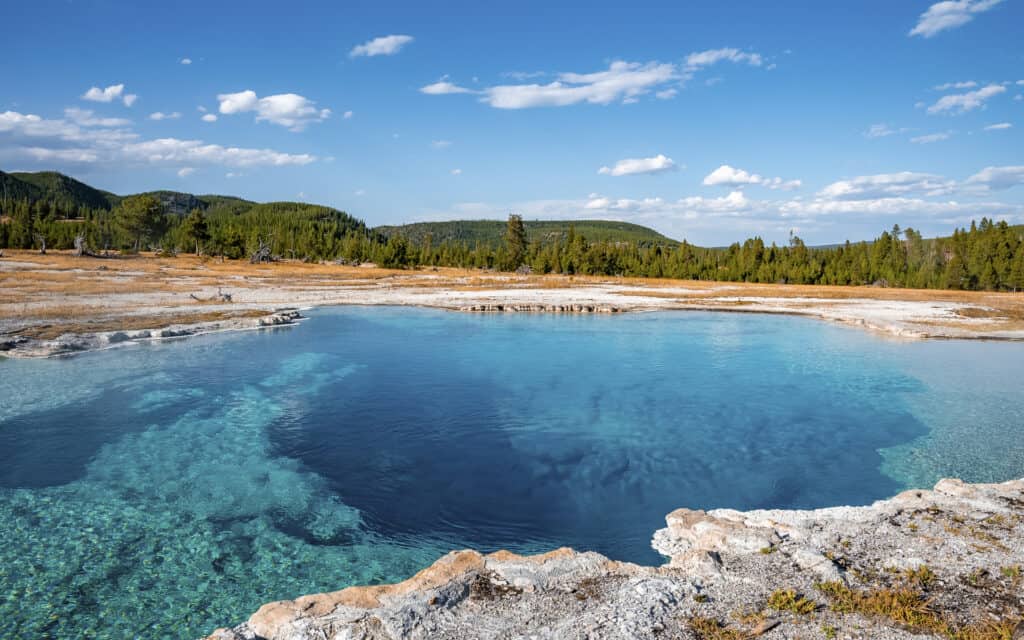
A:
[49,210]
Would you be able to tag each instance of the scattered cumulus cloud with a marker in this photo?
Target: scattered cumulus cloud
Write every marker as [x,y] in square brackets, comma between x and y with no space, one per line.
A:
[633,166]
[622,81]
[382,46]
[964,102]
[185,61]
[87,118]
[999,126]
[443,87]
[176,151]
[209,117]
[288,110]
[456,172]
[184,172]
[27,130]
[29,136]
[886,185]
[968,84]
[949,14]
[360,192]
[523,75]
[109,94]
[702,59]
[233,174]
[931,137]
[160,115]
[347,115]
[726,176]
[882,130]
[997,178]
[441,144]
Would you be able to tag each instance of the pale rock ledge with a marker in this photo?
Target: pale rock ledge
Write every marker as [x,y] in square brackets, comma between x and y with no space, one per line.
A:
[960,547]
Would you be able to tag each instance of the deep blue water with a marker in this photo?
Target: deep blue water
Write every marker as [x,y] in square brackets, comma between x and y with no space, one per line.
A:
[172,487]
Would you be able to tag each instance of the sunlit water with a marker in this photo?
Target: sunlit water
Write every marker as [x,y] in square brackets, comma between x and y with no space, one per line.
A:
[161,490]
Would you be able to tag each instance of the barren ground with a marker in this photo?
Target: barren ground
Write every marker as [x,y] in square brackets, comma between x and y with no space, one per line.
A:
[44,298]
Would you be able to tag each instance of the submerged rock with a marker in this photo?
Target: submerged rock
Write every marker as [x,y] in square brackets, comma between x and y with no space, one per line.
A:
[954,557]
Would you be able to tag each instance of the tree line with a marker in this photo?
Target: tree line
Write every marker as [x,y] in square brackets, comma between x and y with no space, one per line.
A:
[988,255]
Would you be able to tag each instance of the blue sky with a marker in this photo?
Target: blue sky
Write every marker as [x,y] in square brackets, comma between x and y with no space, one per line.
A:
[710,121]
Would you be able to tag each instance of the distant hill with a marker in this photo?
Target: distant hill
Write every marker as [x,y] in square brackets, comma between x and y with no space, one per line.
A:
[63,190]
[67,192]
[491,232]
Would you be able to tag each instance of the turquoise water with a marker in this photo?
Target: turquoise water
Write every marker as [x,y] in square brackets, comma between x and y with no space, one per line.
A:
[164,489]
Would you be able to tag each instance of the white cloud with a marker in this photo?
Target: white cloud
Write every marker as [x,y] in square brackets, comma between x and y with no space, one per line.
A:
[999,126]
[726,176]
[887,185]
[42,154]
[186,61]
[963,102]
[24,127]
[443,87]
[233,174]
[160,115]
[621,81]
[286,109]
[701,59]
[382,46]
[997,178]
[881,130]
[175,151]
[360,192]
[441,144]
[209,117]
[906,209]
[186,171]
[347,115]
[41,139]
[949,14]
[931,137]
[456,172]
[689,207]
[95,94]
[129,99]
[968,84]
[523,75]
[86,118]
[633,166]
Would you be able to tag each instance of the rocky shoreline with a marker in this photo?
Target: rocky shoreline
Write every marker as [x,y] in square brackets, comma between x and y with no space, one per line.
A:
[944,563]
[72,343]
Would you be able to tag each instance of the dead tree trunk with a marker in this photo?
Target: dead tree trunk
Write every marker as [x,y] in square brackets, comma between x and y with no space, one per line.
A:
[262,253]
[81,248]
[41,239]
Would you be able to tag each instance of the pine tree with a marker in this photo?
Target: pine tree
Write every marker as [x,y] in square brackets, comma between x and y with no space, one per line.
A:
[515,241]
[196,227]
[140,217]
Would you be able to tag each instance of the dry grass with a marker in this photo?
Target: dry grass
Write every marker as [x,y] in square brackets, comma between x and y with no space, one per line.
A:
[908,607]
[791,601]
[712,629]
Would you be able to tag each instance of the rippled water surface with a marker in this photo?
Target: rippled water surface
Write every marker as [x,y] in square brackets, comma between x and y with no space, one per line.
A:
[161,490]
